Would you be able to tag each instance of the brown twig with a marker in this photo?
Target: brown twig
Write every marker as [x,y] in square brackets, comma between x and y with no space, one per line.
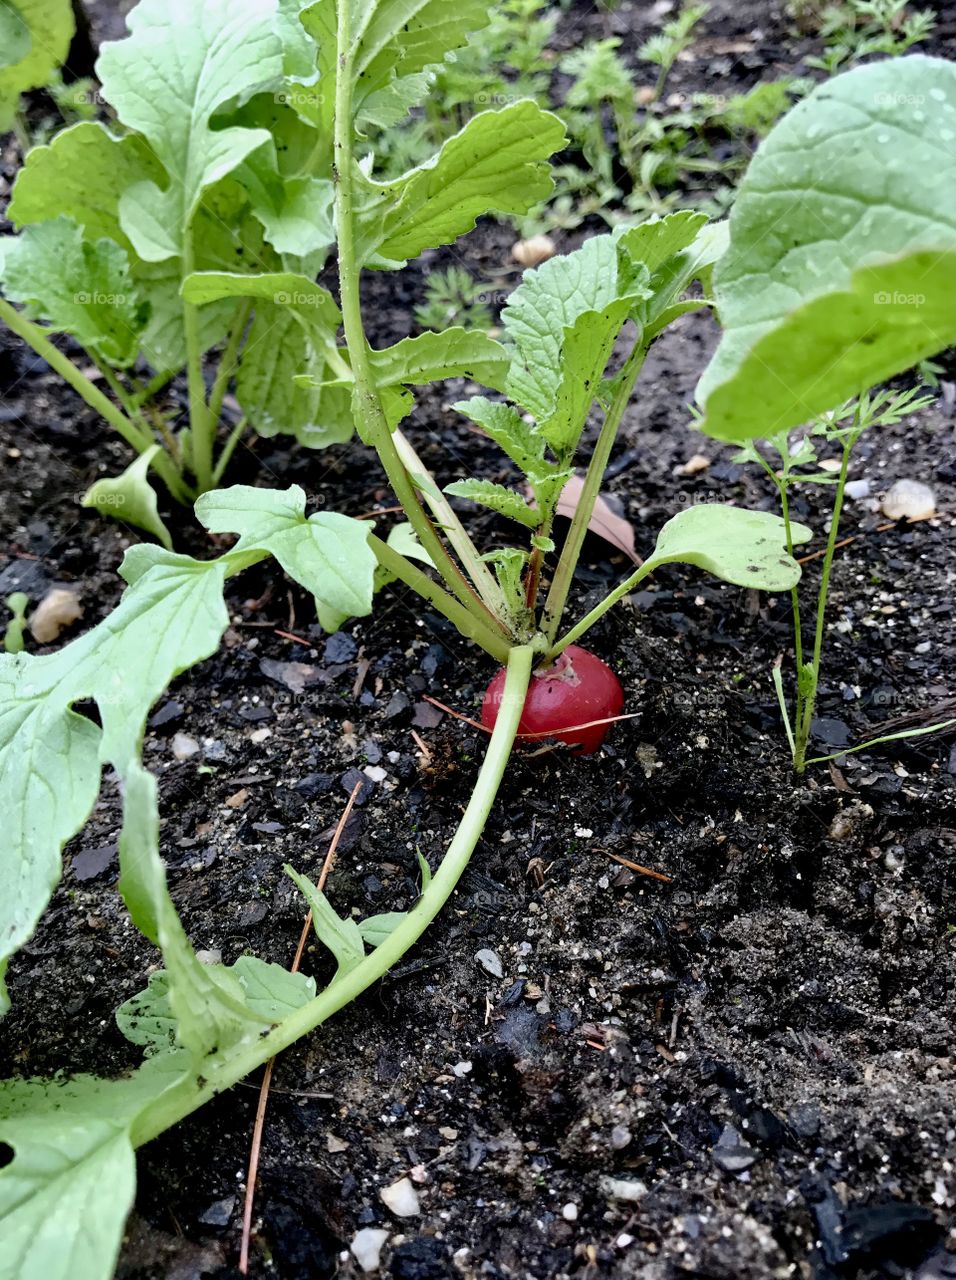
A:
[845,542]
[290,635]
[644,871]
[256,1144]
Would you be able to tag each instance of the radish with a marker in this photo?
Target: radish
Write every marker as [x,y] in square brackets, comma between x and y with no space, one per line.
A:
[576,689]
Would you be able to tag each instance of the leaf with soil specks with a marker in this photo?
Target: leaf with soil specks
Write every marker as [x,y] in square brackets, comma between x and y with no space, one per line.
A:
[747,548]
[604,523]
[72,1142]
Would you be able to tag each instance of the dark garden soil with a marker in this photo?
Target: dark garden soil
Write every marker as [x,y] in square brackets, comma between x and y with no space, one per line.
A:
[744,1072]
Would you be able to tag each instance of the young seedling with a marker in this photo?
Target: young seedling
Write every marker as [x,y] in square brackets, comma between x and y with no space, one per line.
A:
[819,309]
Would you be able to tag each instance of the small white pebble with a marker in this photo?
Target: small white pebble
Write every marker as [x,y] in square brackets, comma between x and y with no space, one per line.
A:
[260,735]
[570,1212]
[375,772]
[402,1198]
[584,833]
[910,500]
[183,746]
[461,1069]
[366,1248]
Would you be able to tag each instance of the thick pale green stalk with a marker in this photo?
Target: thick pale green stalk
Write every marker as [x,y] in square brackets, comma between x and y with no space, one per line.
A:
[367,401]
[34,336]
[469,624]
[561,585]
[456,533]
[201,427]
[193,1092]
[598,612]
[809,705]
[228,361]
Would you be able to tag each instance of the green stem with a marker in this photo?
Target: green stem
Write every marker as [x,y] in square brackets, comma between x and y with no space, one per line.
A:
[228,361]
[34,336]
[201,428]
[810,698]
[469,624]
[154,386]
[235,435]
[599,611]
[561,585]
[368,403]
[213,1076]
[481,576]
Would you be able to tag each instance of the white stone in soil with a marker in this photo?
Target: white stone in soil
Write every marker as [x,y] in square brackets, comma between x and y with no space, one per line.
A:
[402,1198]
[909,500]
[367,1246]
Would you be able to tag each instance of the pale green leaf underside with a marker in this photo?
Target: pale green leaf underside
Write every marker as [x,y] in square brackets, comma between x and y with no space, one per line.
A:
[65,1196]
[81,174]
[397,38]
[497,163]
[171,616]
[78,286]
[842,255]
[327,553]
[130,498]
[747,548]
[314,305]
[182,62]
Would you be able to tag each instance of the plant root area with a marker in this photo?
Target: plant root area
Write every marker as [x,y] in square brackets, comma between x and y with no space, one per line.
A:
[742,1071]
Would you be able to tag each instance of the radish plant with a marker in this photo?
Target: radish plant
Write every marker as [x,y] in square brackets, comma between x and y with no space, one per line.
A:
[577,331]
[840,273]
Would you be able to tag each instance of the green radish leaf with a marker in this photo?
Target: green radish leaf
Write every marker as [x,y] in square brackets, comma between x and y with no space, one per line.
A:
[79,287]
[171,616]
[208,1002]
[36,37]
[270,991]
[842,262]
[81,174]
[295,212]
[549,300]
[131,498]
[509,564]
[314,306]
[431,357]
[182,63]
[342,937]
[376,929]
[15,37]
[497,163]
[389,106]
[395,38]
[520,440]
[65,1196]
[655,242]
[326,553]
[747,548]
[280,379]
[498,498]
[147,1019]
[403,538]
